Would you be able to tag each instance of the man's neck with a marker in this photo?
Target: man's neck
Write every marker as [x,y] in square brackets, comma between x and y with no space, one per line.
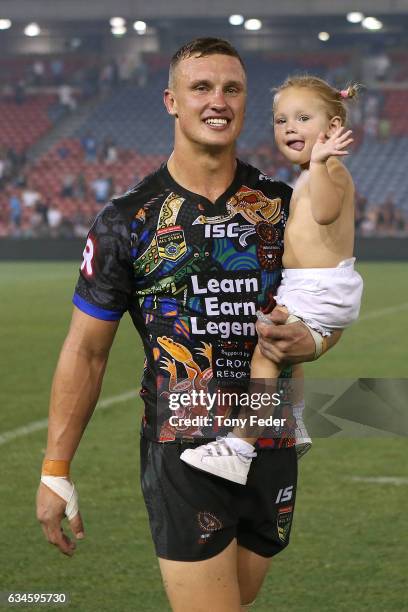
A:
[206,173]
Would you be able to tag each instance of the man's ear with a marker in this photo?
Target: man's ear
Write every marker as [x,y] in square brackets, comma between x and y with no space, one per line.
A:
[334,124]
[170,102]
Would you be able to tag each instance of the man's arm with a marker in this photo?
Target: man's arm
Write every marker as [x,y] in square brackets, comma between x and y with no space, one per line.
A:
[75,391]
[286,344]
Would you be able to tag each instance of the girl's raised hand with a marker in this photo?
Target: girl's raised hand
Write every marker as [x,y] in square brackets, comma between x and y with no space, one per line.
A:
[335,145]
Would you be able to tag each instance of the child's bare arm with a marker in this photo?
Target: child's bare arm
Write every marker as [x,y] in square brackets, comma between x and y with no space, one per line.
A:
[328,181]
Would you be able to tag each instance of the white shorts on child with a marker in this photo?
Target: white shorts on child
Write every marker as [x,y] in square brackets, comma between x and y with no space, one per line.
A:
[324,298]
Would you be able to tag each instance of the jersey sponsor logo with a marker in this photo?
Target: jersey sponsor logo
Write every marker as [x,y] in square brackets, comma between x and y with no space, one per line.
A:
[171,243]
[284,521]
[223,329]
[229,230]
[228,304]
[88,254]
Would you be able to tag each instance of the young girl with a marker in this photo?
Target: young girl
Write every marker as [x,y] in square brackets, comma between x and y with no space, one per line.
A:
[319,284]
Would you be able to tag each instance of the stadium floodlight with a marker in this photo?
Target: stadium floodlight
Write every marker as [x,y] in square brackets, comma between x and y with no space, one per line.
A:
[236,20]
[5,24]
[140,27]
[323,36]
[355,17]
[372,23]
[32,29]
[117,22]
[119,30]
[253,24]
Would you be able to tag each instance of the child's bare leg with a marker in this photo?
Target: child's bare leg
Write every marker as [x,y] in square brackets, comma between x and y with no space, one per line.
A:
[262,370]
[231,457]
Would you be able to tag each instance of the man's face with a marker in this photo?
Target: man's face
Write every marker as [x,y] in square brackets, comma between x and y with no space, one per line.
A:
[207,97]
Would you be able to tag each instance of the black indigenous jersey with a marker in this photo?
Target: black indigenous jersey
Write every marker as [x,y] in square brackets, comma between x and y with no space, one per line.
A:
[192,274]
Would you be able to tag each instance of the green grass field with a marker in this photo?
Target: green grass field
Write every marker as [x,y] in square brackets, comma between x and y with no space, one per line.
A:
[347,550]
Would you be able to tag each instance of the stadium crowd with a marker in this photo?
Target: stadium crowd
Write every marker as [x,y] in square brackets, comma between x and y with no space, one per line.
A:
[59,193]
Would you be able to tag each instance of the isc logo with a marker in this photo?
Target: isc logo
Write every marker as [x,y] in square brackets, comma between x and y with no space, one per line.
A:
[220,230]
[284,495]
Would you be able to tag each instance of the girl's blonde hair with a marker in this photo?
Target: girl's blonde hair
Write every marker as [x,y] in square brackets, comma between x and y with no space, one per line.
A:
[333,99]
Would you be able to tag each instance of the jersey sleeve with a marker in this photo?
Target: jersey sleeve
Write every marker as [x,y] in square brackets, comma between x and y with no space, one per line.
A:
[104,286]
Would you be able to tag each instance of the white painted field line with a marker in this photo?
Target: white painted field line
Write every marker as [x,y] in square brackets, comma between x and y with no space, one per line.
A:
[394,480]
[375,314]
[25,430]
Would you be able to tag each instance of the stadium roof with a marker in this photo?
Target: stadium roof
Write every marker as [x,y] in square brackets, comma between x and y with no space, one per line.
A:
[21,10]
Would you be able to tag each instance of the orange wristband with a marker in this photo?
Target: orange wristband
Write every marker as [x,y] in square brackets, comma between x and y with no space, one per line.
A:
[55,467]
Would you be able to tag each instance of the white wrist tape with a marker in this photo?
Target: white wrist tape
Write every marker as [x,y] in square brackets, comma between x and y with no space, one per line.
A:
[318,338]
[66,490]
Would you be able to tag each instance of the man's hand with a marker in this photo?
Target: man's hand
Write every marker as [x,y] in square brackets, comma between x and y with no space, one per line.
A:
[50,513]
[285,344]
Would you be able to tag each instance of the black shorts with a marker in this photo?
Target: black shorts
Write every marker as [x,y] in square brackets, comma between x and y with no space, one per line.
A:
[194,515]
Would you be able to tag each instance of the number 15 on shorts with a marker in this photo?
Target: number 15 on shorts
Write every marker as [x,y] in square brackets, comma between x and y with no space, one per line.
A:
[284,495]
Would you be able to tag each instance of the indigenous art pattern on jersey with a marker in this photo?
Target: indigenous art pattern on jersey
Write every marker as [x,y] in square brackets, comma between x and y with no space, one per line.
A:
[192,274]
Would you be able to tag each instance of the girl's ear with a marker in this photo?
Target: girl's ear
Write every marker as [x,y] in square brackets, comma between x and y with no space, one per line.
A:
[334,124]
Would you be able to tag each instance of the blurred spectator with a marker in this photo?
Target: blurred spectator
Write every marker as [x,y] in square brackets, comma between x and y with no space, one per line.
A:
[101,187]
[109,151]
[141,72]
[66,97]
[30,197]
[370,127]
[42,209]
[57,71]
[368,224]
[90,82]
[382,66]
[371,104]
[67,187]
[386,215]
[355,113]
[109,76]
[80,189]
[38,71]
[89,146]
[15,210]
[80,225]
[36,224]
[125,68]
[384,128]
[360,210]
[63,152]
[54,218]
[376,67]
[3,165]
[401,224]
[19,92]
[383,220]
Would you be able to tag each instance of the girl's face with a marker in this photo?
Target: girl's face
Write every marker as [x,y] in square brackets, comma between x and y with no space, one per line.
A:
[299,117]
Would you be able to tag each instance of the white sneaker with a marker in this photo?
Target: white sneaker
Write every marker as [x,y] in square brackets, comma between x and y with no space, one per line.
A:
[219,459]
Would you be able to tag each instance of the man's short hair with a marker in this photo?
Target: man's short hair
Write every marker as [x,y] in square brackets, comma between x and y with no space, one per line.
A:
[202,47]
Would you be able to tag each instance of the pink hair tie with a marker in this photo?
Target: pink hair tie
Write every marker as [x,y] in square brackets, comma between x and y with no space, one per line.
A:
[344,93]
